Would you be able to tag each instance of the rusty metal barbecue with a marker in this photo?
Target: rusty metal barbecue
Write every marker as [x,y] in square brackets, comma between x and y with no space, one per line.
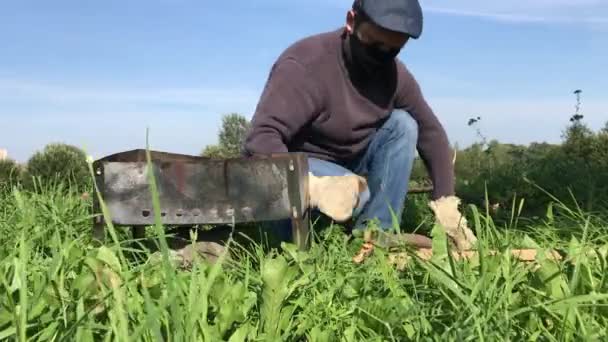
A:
[197,190]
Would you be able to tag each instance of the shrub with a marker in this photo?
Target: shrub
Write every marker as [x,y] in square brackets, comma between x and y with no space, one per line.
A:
[216,152]
[10,173]
[59,163]
[231,137]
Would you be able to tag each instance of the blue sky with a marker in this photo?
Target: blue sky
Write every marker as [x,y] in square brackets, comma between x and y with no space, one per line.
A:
[95,74]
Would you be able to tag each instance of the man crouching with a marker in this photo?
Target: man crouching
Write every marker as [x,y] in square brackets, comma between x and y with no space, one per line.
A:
[343,98]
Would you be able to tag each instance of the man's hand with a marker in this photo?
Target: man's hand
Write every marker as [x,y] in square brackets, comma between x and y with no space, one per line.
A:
[336,196]
[447,214]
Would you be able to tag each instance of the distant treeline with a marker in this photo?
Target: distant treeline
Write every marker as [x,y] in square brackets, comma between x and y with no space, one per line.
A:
[575,171]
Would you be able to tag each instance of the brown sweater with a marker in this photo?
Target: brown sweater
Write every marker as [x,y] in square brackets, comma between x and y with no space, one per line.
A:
[310,105]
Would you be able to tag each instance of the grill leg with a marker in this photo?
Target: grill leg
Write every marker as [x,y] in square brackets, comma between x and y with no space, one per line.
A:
[139,232]
[98,221]
[99,231]
[301,232]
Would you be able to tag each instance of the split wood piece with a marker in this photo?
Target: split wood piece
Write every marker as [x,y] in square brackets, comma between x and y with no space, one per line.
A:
[416,241]
[366,250]
[420,190]
[526,255]
[426,254]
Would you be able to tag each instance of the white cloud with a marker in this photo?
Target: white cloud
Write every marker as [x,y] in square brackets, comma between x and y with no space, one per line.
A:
[115,118]
[513,121]
[560,11]
[105,132]
[96,97]
[107,120]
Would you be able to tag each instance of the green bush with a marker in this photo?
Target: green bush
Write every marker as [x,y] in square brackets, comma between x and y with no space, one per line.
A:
[58,163]
[231,138]
[10,173]
[573,171]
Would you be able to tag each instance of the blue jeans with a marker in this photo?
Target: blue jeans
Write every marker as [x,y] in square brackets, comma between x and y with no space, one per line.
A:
[387,165]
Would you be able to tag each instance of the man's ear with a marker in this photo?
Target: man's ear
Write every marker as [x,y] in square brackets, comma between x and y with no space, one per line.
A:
[350,21]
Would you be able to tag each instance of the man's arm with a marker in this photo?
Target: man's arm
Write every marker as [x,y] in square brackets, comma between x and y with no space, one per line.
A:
[433,143]
[289,101]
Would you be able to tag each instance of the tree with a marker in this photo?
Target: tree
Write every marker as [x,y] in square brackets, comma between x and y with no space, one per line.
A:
[231,137]
[580,148]
[59,162]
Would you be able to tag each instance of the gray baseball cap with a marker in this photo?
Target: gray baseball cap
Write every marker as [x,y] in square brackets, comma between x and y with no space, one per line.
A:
[396,15]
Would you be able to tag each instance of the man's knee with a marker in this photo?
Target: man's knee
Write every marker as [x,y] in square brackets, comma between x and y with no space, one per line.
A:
[320,167]
[404,126]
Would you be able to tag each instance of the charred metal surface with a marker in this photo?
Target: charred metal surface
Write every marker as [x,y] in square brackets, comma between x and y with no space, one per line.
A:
[198,190]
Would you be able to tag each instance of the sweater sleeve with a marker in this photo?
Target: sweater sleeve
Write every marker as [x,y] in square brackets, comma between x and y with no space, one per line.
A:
[289,101]
[433,145]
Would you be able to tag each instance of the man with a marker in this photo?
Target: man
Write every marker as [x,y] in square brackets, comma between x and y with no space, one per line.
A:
[344,99]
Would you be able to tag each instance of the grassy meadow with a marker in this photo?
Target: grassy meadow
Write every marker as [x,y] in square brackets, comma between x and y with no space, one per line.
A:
[57,284]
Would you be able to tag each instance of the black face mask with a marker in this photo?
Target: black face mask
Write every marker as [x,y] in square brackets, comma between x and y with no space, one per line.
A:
[370,58]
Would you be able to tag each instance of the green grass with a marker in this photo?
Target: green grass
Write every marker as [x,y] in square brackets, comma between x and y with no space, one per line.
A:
[57,284]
